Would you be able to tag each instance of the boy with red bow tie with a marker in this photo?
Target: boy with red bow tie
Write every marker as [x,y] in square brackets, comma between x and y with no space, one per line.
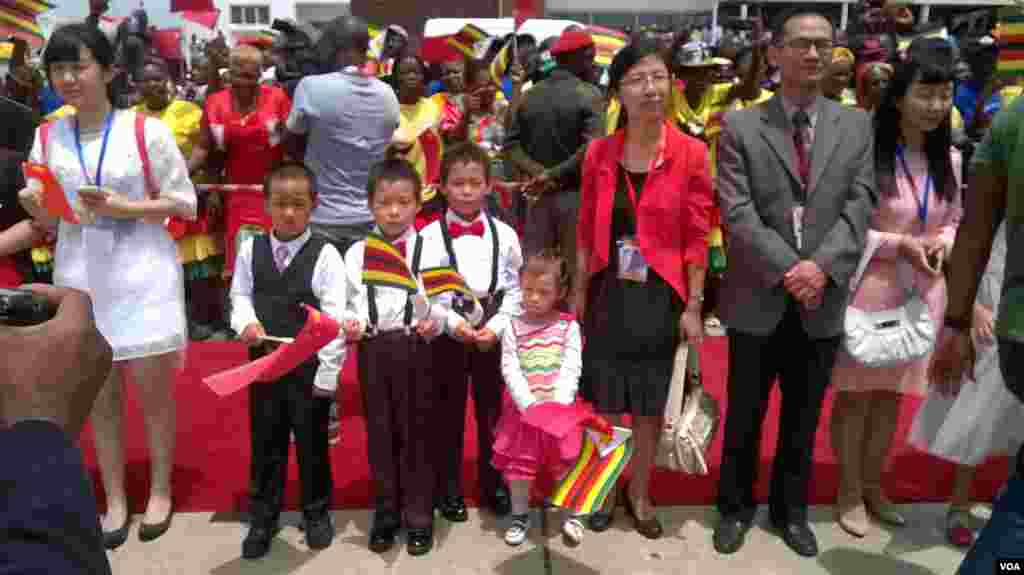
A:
[487,254]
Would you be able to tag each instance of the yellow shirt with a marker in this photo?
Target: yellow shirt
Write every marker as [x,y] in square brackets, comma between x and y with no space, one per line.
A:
[414,120]
[182,118]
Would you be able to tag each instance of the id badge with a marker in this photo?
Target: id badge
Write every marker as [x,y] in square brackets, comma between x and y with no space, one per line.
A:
[798,226]
[632,265]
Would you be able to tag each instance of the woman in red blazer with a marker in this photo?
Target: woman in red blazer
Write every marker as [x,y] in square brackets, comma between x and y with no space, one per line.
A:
[645,211]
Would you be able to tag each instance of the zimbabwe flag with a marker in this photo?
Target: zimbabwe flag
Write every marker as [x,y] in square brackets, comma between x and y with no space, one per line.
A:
[439,280]
[466,39]
[1010,34]
[383,265]
[585,488]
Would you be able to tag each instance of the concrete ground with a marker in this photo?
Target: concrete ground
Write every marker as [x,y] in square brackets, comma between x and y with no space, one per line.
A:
[204,543]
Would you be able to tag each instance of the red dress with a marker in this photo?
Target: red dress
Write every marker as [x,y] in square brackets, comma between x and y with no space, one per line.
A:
[252,145]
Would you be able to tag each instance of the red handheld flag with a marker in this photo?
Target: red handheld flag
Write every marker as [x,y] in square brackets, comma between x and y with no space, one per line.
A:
[54,201]
[320,330]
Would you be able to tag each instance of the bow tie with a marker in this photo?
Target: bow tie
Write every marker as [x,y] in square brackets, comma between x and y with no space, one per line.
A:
[455,229]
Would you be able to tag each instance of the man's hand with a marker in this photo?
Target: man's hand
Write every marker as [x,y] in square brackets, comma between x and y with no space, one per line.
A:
[805,281]
[253,334]
[53,371]
[952,360]
[486,339]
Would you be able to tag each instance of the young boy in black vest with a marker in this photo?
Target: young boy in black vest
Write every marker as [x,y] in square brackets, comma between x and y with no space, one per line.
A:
[487,254]
[393,324]
[274,275]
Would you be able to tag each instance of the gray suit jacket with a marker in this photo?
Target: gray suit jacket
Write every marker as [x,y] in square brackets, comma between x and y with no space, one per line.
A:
[758,186]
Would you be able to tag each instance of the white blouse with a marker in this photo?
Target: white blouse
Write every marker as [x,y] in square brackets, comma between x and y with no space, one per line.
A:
[129,267]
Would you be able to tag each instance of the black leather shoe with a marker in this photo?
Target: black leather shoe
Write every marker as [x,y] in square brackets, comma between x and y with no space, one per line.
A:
[419,541]
[151,531]
[501,502]
[257,542]
[382,538]
[799,537]
[453,508]
[730,534]
[116,538]
[319,532]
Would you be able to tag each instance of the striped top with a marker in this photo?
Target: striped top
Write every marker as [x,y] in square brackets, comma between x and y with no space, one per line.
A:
[541,361]
[540,355]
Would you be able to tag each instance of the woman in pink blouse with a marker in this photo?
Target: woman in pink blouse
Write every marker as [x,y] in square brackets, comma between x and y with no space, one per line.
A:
[912,232]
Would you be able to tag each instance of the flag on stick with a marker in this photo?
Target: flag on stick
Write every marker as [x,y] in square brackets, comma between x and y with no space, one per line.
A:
[320,329]
[54,201]
[466,39]
[439,280]
[384,265]
[585,488]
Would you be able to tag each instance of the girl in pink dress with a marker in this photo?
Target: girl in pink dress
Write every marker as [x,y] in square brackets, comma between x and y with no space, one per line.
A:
[912,232]
[541,360]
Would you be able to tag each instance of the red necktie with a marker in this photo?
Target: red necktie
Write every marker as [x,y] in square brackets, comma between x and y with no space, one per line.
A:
[455,229]
[800,123]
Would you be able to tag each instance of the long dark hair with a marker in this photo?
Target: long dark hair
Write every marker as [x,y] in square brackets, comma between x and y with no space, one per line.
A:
[931,62]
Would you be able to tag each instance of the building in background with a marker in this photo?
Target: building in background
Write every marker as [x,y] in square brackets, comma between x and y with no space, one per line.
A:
[241,18]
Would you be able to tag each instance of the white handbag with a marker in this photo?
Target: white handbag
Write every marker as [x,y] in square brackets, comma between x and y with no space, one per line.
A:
[692,416]
[888,337]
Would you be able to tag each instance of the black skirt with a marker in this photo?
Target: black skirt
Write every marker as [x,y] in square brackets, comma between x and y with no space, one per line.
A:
[632,331]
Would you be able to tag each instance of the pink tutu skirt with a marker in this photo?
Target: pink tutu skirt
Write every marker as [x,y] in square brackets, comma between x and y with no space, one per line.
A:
[521,450]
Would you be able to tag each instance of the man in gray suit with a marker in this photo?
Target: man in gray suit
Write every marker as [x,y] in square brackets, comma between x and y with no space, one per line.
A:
[796,185]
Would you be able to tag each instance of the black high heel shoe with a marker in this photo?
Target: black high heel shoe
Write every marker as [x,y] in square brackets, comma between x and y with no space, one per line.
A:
[151,531]
[649,528]
[601,520]
[116,538]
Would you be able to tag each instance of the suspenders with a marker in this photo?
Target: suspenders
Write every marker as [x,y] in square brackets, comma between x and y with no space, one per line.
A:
[371,291]
[494,250]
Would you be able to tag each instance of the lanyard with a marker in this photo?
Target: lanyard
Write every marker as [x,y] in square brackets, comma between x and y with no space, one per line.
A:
[654,163]
[103,150]
[922,202]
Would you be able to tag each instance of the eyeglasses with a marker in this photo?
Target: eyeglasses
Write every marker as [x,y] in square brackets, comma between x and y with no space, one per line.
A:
[805,44]
[641,80]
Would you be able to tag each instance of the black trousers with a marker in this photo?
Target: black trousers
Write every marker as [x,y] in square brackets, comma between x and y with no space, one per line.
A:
[398,396]
[275,411]
[803,367]
[455,366]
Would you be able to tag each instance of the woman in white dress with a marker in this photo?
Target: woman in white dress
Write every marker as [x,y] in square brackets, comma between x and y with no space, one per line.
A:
[123,257]
[983,419]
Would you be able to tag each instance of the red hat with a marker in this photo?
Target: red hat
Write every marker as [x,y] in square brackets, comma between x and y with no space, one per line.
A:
[570,41]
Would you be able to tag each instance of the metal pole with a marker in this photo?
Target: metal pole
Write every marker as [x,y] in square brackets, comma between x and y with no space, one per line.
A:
[845,17]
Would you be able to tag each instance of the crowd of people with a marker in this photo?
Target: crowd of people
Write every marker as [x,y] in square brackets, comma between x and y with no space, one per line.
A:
[776,193]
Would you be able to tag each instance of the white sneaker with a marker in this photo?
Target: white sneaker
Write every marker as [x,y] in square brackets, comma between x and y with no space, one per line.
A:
[572,531]
[516,533]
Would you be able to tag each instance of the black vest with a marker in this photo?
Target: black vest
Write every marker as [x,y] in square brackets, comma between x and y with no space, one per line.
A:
[278,296]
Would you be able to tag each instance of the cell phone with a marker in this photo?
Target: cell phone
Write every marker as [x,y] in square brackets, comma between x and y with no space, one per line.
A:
[22,308]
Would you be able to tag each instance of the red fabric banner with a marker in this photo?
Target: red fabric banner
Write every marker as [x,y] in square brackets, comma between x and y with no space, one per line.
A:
[167,43]
[207,19]
[192,6]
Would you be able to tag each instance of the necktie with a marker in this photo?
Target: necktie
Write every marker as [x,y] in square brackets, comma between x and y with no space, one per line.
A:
[455,229]
[800,124]
[281,257]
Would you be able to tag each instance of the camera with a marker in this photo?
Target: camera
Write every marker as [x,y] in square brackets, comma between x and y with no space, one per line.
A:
[22,308]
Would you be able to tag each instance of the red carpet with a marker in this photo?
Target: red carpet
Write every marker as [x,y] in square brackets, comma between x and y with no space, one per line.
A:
[212,458]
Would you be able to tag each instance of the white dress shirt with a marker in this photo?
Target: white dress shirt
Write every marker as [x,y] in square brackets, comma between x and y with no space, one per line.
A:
[328,287]
[474,258]
[390,301]
[568,374]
